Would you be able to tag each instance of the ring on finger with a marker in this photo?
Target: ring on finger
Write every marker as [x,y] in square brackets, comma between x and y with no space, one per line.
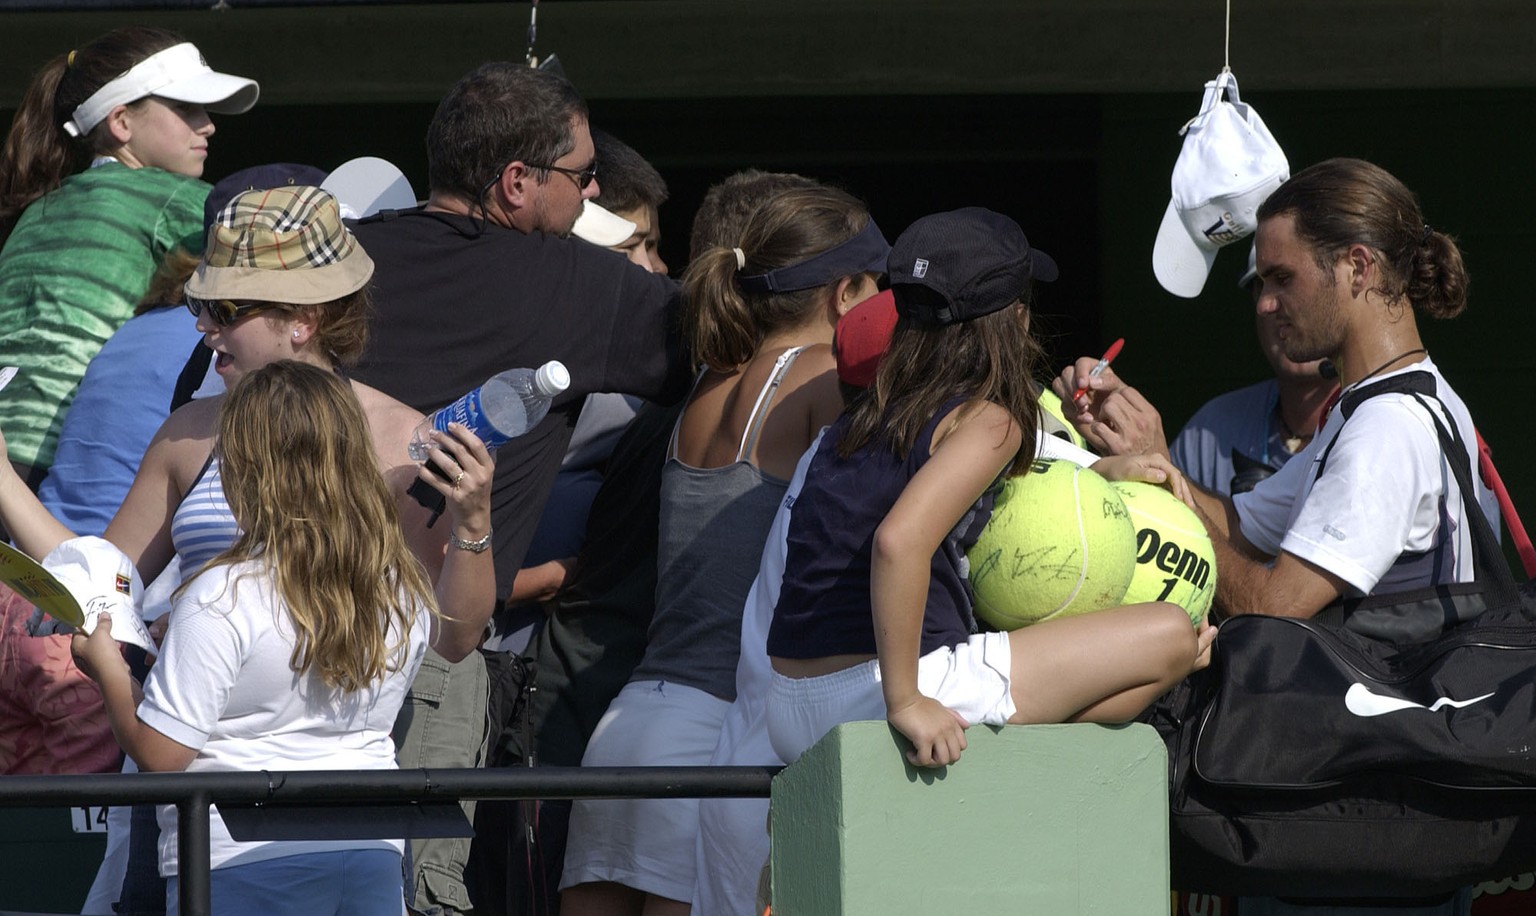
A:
[458,478]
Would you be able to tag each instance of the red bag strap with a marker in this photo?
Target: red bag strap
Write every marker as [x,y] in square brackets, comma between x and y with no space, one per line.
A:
[1494,482]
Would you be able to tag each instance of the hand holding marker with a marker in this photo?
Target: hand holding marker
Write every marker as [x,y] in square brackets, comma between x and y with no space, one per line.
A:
[1099,367]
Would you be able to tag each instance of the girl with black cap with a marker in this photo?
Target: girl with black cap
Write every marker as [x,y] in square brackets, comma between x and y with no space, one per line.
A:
[873,618]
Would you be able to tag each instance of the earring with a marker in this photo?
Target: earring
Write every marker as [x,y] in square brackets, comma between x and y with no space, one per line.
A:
[295,335]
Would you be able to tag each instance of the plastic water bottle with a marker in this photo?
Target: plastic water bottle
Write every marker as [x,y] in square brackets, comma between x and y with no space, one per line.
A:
[509,404]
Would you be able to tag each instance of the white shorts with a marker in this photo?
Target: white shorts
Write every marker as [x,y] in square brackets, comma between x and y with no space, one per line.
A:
[644,843]
[733,832]
[971,678]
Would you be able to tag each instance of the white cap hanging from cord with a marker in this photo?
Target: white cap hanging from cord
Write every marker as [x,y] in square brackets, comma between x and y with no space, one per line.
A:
[1228,166]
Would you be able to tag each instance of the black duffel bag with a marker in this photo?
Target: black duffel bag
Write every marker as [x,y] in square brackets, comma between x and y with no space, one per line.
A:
[1311,760]
[1394,774]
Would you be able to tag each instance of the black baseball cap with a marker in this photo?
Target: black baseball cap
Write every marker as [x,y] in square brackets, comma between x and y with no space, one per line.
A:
[257,178]
[959,265]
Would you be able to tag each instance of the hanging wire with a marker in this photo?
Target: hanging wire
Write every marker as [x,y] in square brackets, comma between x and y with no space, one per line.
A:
[533,32]
[1226,50]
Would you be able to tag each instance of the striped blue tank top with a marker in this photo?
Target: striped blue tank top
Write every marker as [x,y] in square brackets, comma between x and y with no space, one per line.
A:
[203,526]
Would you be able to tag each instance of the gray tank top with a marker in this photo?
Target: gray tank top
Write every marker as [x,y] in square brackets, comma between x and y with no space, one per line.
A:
[710,542]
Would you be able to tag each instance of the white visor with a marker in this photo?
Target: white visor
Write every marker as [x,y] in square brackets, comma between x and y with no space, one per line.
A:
[178,73]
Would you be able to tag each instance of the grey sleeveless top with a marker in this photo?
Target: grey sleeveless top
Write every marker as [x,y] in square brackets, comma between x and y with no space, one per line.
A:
[710,542]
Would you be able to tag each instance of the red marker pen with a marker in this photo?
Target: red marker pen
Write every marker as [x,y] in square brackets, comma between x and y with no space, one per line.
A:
[1100,366]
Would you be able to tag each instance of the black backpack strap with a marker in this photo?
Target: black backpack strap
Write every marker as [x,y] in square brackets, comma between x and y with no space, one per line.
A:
[470,226]
[1419,382]
[1488,566]
[192,374]
[1489,569]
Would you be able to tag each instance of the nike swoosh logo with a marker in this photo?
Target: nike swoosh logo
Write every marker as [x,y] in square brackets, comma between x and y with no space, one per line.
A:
[1362,702]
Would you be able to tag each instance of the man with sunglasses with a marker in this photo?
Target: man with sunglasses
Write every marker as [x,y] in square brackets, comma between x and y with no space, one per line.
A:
[484,278]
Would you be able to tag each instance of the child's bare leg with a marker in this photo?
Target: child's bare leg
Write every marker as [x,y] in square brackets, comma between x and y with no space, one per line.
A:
[1102,667]
[1123,707]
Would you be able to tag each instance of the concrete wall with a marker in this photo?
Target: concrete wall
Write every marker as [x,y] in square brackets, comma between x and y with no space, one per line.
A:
[1059,819]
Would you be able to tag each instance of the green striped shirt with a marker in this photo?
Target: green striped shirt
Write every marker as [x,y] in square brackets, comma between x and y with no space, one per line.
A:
[71,273]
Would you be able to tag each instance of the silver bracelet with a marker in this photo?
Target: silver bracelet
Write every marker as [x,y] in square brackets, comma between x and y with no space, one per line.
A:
[480,546]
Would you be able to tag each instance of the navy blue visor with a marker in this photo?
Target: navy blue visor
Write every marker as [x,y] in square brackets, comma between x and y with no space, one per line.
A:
[866,252]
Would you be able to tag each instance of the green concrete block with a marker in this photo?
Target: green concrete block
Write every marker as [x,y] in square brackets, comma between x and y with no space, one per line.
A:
[45,866]
[1038,819]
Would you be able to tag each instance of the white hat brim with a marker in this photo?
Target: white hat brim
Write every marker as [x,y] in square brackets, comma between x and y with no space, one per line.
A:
[1181,265]
[368,184]
[602,226]
[220,93]
[1252,271]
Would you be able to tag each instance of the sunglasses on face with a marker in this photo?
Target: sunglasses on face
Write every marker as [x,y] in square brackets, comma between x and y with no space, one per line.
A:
[582,177]
[224,312]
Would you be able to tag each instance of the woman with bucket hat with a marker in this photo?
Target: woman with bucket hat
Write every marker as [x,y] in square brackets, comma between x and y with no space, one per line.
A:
[301,279]
[282,278]
[99,179]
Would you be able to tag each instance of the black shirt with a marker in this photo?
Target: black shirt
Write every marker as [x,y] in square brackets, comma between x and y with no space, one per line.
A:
[456,301]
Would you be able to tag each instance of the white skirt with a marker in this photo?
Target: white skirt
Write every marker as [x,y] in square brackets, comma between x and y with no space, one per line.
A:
[644,843]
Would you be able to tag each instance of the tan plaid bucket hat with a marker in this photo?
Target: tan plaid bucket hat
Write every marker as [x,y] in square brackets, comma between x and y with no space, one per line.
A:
[280,245]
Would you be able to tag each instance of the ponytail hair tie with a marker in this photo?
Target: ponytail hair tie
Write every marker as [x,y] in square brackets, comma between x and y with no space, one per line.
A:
[1428,231]
[70,60]
[741,258]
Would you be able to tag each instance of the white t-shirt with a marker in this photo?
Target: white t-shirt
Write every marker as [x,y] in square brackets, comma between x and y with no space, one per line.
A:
[223,685]
[1377,516]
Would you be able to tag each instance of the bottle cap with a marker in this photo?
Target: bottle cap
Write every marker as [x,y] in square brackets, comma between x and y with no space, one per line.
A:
[552,378]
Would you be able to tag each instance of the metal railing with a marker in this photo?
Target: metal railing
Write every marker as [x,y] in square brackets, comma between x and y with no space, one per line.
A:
[193,793]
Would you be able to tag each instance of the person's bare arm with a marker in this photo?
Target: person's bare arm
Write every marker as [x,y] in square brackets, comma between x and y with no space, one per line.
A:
[1292,587]
[977,446]
[464,580]
[141,528]
[34,530]
[1246,581]
[543,581]
[101,659]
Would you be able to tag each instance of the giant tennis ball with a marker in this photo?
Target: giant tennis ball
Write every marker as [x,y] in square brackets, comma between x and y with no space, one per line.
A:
[1174,559]
[1050,406]
[1058,543]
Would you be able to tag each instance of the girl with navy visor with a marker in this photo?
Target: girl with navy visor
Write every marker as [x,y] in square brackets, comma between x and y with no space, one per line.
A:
[759,316]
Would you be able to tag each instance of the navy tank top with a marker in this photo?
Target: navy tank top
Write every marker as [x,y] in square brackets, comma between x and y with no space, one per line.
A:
[824,605]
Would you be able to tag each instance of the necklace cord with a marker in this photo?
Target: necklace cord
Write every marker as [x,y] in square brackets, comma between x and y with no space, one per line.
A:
[1378,370]
[1291,435]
